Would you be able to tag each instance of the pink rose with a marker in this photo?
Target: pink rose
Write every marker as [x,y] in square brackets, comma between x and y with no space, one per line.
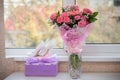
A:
[77,17]
[71,13]
[82,23]
[86,10]
[76,12]
[64,14]
[60,19]
[53,16]
[66,19]
[76,8]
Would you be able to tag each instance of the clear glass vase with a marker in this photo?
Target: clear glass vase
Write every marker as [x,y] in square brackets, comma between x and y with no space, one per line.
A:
[75,66]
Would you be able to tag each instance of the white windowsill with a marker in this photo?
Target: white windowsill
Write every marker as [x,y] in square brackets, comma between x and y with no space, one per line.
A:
[90,53]
[65,76]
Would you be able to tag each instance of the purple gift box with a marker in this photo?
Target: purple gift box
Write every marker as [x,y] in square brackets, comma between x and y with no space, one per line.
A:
[43,67]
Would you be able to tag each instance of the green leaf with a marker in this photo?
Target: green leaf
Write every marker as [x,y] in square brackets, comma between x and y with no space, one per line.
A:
[94,14]
[92,20]
[63,10]
[90,16]
[58,13]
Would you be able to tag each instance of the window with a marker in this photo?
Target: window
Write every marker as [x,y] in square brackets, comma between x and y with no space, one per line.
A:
[107,27]
[26,25]
[27,22]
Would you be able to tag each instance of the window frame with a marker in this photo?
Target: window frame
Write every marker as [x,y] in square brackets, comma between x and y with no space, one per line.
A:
[90,53]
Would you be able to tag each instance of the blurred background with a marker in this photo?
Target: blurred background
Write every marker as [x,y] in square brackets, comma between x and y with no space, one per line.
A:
[27,22]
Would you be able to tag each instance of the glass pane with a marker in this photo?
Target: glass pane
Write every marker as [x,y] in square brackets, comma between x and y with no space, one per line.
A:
[107,27]
[27,22]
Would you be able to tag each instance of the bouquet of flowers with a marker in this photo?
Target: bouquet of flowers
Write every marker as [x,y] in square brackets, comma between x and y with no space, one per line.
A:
[73,25]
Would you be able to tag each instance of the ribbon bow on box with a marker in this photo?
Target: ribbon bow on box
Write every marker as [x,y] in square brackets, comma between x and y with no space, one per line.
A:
[37,60]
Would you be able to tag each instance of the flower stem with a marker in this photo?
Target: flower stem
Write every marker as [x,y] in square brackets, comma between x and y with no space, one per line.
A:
[74,61]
